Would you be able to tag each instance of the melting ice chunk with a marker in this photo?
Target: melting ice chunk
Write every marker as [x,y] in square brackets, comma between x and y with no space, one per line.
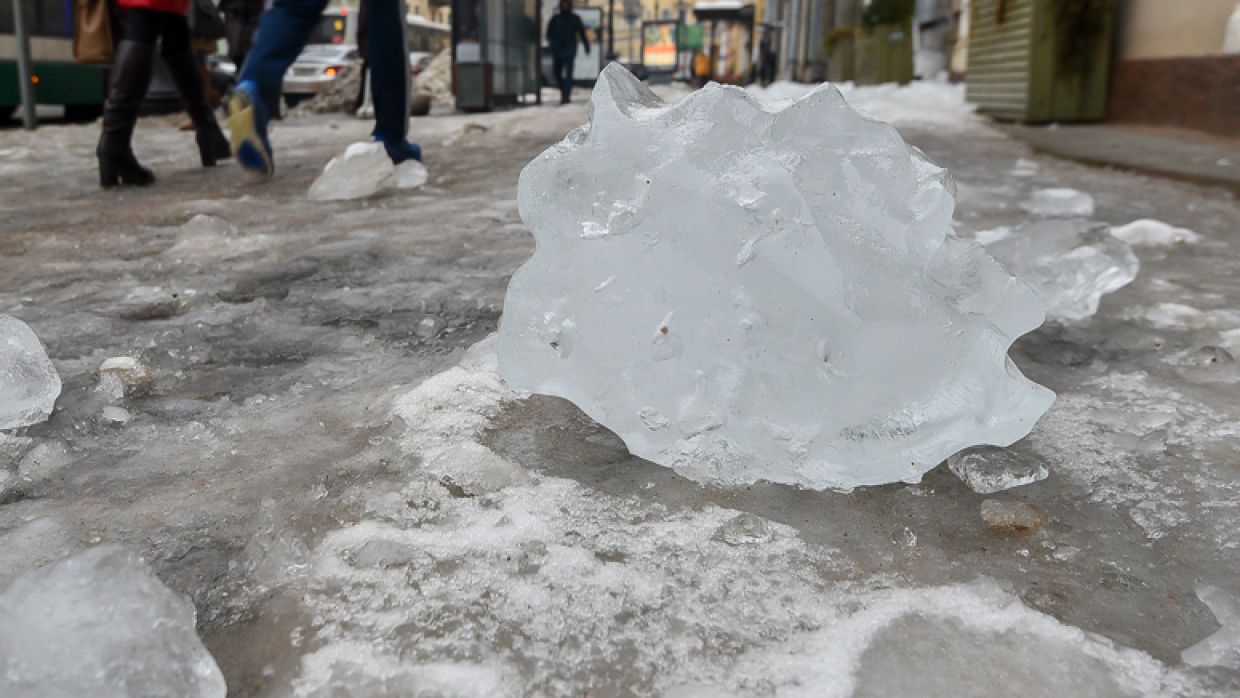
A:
[987,470]
[783,299]
[100,623]
[1071,264]
[1063,203]
[360,172]
[29,384]
[364,169]
[1146,231]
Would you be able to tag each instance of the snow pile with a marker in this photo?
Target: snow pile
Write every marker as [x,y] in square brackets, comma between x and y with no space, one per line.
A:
[922,102]
[958,640]
[1070,264]
[1146,231]
[1060,203]
[763,294]
[100,623]
[436,80]
[339,97]
[29,384]
[363,170]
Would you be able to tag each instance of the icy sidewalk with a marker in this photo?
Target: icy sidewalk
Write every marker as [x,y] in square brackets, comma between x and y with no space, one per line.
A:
[263,462]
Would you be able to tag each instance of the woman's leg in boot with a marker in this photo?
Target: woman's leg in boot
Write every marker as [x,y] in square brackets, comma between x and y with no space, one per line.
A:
[182,66]
[129,79]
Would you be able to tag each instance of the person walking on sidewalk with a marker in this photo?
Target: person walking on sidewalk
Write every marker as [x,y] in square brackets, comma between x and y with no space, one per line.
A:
[562,33]
[282,33]
[142,24]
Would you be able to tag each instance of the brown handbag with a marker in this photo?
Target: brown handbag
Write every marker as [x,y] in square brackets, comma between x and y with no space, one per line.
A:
[92,32]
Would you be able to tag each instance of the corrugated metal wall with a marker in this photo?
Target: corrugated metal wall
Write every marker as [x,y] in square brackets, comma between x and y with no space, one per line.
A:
[1000,38]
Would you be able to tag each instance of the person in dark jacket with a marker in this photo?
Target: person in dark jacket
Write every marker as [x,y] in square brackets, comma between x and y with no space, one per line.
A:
[562,33]
[143,23]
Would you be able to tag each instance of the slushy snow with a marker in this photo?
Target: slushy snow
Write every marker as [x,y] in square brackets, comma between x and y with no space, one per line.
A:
[763,293]
[29,384]
[100,623]
[1071,264]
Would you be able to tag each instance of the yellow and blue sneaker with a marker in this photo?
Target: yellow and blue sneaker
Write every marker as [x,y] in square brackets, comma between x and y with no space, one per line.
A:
[247,120]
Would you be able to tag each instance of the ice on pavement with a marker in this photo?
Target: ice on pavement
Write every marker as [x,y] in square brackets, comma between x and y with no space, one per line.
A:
[100,623]
[1071,264]
[29,384]
[987,470]
[359,172]
[1060,202]
[363,170]
[543,585]
[692,296]
[1146,231]
[1221,648]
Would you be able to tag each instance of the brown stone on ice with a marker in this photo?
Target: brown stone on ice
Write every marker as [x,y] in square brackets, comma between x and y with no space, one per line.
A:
[1011,517]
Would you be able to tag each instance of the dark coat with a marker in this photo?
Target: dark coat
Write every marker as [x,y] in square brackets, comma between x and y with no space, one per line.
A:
[562,33]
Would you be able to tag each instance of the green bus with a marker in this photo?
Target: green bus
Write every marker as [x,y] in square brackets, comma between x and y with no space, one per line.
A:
[81,89]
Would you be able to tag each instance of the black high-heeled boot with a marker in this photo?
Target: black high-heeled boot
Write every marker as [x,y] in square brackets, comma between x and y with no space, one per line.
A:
[212,143]
[131,75]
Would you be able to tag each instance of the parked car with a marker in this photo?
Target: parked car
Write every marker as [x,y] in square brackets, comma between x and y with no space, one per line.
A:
[315,70]
[419,61]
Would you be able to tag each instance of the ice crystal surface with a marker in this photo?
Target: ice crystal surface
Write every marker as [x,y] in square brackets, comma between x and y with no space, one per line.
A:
[100,623]
[746,292]
[29,384]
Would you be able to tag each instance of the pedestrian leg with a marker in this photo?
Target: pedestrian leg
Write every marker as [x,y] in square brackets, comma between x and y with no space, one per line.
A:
[130,76]
[388,56]
[182,66]
[282,34]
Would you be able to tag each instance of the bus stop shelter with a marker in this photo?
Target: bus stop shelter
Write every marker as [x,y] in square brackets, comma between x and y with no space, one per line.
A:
[495,52]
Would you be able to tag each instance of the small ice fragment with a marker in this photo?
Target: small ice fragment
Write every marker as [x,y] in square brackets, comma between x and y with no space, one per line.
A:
[745,529]
[410,174]
[987,237]
[798,312]
[429,327]
[1012,517]
[1060,203]
[1070,264]
[1223,647]
[987,469]
[29,384]
[121,376]
[1024,168]
[361,171]
[115,415]
[1146,231]
[100,623]
[43,461]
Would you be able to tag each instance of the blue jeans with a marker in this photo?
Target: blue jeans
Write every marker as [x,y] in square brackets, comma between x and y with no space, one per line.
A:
[562,67]
[282,34]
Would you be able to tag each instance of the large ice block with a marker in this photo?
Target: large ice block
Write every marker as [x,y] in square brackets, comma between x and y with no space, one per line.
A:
[748,292]
[29,384]
[100,623]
